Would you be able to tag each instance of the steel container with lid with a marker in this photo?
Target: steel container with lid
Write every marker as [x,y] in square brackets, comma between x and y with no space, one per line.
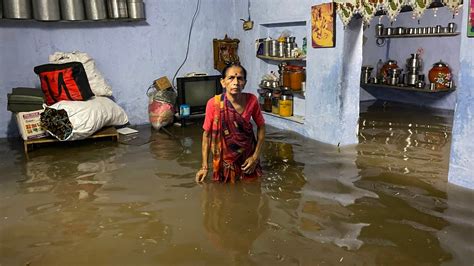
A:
[117,8]
[72,9]
[95,9]
[46,10]
[136,9]
[17,9]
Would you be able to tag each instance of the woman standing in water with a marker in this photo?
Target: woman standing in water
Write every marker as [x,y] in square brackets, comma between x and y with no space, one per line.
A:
[228,132]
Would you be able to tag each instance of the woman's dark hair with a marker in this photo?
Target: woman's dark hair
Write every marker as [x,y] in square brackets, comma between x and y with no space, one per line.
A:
[234,64]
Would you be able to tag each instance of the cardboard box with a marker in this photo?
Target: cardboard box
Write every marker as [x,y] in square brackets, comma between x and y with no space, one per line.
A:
[29,124]
[162,83]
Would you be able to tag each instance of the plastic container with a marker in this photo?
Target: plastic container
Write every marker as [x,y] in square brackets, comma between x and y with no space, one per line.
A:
[184,110]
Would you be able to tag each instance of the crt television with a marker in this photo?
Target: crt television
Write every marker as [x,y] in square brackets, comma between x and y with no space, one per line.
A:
[196,91]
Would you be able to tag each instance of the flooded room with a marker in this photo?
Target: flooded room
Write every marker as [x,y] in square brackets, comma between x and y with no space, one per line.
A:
[238,132]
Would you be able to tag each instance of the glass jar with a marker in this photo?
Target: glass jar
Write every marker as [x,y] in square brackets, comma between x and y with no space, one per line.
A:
[297,75]
[275,101]
[286,76]
[286,105]
[267,102]
[440,75]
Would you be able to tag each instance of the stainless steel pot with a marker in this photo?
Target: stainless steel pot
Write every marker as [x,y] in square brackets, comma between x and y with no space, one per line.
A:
[117,8]
[46,10]
[95,9]
[72,9]
[17,9]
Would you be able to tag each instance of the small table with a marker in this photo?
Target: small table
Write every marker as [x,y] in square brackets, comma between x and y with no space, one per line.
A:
[106,132]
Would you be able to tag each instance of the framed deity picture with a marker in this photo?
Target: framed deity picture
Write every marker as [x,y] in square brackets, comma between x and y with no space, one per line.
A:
[225,52]
[470,17]
[323,25]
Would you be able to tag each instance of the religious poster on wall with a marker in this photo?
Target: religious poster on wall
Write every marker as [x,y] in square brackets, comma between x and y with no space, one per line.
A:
[323,26]
[225,52]
[470,23]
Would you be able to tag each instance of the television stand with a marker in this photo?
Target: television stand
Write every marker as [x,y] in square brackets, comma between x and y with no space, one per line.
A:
[189,120]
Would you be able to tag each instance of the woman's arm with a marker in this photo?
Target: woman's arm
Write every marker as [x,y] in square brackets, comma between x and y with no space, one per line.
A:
[206,143]
[249,165]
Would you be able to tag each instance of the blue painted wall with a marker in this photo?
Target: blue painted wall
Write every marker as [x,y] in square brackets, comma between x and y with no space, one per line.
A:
[332,84]
[461,165]
[130,55]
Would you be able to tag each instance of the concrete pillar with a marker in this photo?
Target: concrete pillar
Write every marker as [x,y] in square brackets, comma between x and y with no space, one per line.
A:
[333,77]
[461,164]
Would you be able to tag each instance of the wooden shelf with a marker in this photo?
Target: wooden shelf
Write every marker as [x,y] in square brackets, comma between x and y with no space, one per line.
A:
[282,59]
[383,86]
[448,34]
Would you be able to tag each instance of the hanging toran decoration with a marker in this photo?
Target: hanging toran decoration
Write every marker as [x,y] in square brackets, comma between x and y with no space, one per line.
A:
[346,10]
[453,5]
[419,7]
[367,10]
[393,8]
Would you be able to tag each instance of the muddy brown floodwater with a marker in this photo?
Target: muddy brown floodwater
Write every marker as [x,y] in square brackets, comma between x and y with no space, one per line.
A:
[385,201]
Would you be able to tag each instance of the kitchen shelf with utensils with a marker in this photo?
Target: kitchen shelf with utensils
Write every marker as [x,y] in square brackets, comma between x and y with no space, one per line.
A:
[446,34]
[426,89]
[72,10]
[281,59]
[7,20]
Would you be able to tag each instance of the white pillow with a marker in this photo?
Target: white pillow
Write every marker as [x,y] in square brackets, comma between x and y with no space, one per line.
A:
[87,117]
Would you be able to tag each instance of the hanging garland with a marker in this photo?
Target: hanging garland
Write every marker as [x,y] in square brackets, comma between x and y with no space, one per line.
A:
[453,5]
[393,8]
[346,11]
[367,8]
[419,7]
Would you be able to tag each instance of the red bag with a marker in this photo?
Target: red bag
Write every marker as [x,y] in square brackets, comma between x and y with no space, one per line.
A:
[64,82]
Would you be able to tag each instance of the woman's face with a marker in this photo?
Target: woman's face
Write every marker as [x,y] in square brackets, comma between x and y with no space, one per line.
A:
[234,81]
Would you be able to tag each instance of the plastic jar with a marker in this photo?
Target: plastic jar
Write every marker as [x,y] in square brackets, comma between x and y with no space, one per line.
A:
[286,105]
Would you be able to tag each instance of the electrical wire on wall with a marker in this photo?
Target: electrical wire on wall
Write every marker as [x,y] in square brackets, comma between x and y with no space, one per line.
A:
[198,6]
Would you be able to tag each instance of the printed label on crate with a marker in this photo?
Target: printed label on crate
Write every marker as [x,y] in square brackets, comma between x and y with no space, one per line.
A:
[29,124]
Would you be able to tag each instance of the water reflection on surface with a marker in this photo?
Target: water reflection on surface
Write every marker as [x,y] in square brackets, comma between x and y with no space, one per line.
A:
[382,202]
